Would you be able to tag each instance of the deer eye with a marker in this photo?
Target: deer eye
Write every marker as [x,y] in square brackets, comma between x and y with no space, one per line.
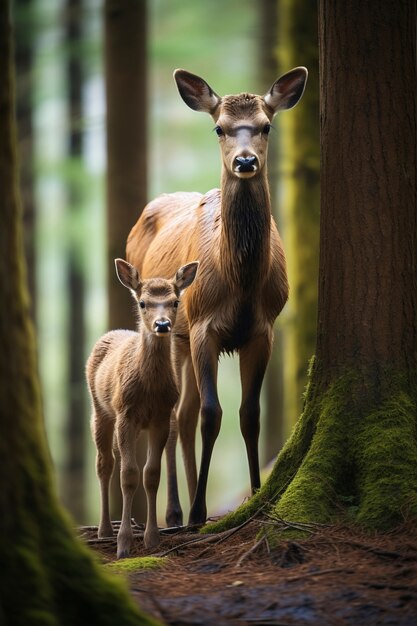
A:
[266,129]
[176,303]
[218,131]
[142,304]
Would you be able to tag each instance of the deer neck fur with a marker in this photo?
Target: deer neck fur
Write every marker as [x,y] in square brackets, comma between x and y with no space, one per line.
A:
[245,228]
[154,353]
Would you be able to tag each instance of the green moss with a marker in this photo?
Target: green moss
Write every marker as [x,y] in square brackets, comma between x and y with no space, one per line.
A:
[386,458]
[312,494]
[136,564]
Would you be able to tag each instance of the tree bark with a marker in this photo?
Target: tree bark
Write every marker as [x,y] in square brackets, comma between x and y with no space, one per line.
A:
[47,575]
[74,470]
[23,10]
[367,294]
[126,92]
[300,198]
[273,430]
[355,447]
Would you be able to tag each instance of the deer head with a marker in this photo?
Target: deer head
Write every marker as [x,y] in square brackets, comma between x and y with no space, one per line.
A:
[243,121]
[157,298]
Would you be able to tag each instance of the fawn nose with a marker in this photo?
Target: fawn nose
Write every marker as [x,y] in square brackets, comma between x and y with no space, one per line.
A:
[162,326]
[245,164]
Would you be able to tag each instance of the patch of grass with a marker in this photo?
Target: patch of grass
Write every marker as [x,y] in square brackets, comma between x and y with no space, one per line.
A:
[134,564]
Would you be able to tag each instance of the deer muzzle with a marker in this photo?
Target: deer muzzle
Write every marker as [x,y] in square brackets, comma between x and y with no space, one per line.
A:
[245,165]
[162,326]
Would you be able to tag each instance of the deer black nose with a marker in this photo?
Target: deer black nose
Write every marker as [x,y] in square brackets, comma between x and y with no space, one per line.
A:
[162,326]
[245,164]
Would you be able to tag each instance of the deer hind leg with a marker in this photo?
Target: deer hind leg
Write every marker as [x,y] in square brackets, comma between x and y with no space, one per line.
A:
[102,430]
[129,478]
[205,353]
[173,516]
[188,410]
[254,358]
[157,438]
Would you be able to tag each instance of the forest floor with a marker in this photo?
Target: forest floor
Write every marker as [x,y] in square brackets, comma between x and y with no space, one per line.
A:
[334,576]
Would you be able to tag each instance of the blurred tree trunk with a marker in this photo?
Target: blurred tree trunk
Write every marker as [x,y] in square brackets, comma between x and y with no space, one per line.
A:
[126,97]
[272,430]
[300,170]
[23,11]
[47,575]
[354,447]
[74,471]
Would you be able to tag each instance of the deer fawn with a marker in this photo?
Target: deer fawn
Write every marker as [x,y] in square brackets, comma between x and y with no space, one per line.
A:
[243,281]
[133,386]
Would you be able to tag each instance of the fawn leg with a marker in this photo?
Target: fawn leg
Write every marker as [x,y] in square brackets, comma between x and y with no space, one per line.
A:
[157,437]
[102,430]
[129,478]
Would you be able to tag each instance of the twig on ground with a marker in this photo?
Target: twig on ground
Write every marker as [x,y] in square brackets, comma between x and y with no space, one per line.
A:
[251,550]
[333,570]
[199,539]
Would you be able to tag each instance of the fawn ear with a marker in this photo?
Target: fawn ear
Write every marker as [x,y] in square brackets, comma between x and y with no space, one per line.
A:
[287,90]
[127,274]
[186,275]
[196,92]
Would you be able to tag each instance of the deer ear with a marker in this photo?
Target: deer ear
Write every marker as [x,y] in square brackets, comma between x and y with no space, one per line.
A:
[127,274]
[287,90]
[196,92]
[186,275]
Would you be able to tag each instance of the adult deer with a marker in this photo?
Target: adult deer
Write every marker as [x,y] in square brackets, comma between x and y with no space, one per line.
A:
[242,284]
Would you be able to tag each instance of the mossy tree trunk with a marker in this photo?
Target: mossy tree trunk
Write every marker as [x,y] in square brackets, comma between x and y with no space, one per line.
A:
[273,423]
[300,198]
[126,127]
[47,577]
[354,449]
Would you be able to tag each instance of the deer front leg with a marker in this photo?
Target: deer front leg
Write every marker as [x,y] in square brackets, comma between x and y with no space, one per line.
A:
[254,358]
[129,478]
[205,354]
[157,438]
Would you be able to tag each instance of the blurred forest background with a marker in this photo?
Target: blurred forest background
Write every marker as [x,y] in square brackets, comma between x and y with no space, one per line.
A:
[62,65]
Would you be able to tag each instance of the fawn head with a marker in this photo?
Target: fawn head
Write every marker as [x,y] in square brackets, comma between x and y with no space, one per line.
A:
[242,121]
[157,298]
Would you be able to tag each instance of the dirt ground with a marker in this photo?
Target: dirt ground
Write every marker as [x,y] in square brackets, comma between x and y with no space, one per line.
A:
[334,577]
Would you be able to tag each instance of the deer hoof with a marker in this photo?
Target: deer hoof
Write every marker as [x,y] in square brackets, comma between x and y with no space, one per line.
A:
[198,516]
[122,553]
[151,538]
[124,543]
[105,530]
[174,518]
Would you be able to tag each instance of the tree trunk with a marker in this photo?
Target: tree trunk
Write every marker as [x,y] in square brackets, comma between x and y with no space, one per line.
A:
[126,90]
[47,575]
[355,445]
[23,10]
[273,427]
[74,471]
[300,198]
